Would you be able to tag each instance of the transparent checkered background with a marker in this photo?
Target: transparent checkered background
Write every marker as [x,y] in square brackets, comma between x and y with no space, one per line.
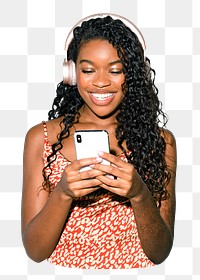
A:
[32,36]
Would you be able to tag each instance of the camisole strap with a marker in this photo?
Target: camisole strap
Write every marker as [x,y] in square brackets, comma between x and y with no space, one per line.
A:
[45,131]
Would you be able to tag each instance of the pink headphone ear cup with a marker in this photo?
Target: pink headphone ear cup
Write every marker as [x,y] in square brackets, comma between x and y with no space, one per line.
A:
[69,72]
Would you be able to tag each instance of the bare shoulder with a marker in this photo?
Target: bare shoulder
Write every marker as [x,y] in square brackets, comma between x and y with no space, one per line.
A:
[168,137]
[36,132]
[170,150]
[35,137]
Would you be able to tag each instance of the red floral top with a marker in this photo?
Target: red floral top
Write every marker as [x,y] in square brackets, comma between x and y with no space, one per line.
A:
[100,231]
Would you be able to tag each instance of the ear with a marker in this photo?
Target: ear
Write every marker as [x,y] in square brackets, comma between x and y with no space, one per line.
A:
[69,72]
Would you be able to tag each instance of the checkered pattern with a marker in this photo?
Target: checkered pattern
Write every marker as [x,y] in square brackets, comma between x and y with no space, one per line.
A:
[32,35]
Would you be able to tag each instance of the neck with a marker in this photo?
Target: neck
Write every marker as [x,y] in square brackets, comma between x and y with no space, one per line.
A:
[88,116]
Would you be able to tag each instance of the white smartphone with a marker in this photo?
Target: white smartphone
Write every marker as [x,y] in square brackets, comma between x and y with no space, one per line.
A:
[89,142]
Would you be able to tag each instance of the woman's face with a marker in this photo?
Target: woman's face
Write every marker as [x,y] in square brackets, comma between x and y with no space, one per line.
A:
[100,77]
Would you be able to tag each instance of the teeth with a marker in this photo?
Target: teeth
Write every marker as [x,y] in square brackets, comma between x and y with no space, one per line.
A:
[101,96]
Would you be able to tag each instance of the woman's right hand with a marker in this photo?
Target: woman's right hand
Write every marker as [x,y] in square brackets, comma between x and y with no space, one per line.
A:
[75,183]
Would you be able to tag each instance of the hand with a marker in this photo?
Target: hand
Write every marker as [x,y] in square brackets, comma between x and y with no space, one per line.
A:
[75,183]
[128,183]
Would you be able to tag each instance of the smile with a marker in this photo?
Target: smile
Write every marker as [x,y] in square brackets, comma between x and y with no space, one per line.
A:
[102,96]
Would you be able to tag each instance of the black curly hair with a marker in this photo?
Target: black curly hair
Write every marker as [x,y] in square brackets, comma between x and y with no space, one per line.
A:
[140,118]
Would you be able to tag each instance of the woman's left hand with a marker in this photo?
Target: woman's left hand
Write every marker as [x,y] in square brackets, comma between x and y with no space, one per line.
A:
[121,178]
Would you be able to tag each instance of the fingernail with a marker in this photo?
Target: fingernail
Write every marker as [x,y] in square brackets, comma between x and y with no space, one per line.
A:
[110,176]
[100,153]
[98,159]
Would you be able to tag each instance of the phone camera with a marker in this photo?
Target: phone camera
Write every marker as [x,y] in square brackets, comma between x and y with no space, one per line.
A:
[78,138]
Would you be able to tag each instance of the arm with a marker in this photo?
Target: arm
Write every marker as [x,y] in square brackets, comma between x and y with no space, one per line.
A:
[155,228]
[43,217]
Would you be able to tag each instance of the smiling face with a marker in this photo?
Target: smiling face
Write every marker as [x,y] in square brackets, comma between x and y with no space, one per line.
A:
[99,78]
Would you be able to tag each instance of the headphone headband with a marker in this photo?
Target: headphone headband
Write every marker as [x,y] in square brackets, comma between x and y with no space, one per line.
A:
[127,22]
[69,72]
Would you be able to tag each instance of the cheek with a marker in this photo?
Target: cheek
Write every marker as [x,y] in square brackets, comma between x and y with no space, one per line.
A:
[82,80]
[123,80]
[82,84]
[118,82]
[79,78]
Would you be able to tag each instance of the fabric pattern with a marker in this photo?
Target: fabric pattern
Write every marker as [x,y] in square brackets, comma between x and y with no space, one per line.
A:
[100,232]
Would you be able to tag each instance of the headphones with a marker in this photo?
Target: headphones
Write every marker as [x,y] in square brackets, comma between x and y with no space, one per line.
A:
[69,71]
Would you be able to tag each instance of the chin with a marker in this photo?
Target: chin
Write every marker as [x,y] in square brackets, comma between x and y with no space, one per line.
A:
[105,114]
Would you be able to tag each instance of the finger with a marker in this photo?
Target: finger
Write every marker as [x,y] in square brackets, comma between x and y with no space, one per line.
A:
[112,170]
[110,181]
[85,184]
[78,164]
[74,176]
[86,191]
[82,192]
[71,171]
[115,190]
[113,159]
[89,174]
[118,186]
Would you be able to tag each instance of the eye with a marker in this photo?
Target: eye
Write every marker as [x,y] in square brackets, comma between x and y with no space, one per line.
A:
[87,71]
[116,72]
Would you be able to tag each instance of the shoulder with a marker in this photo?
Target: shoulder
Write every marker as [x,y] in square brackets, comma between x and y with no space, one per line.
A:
[35,135]
[168,137]
[170,149]
[34,140]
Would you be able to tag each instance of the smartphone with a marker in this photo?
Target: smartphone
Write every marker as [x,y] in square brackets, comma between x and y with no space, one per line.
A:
[89,142]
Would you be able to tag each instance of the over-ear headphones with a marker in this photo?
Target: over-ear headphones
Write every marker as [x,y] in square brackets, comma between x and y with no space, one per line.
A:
[69,71]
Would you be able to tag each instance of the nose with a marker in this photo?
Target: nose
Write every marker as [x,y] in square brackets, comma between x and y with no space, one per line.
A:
[101,79]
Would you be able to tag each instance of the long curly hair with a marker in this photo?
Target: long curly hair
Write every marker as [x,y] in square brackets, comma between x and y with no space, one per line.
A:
[140,118]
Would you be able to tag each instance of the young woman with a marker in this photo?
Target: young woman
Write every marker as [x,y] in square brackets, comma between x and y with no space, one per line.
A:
[111,216]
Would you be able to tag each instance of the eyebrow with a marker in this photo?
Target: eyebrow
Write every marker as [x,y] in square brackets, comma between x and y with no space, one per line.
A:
[91,62]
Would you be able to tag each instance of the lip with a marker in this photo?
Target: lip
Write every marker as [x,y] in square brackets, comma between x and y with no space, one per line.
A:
[102,98]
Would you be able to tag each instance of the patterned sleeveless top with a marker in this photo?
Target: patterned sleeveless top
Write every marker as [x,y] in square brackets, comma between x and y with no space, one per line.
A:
[100,231]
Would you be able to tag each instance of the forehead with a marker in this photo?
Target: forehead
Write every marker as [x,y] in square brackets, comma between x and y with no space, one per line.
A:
[97,48]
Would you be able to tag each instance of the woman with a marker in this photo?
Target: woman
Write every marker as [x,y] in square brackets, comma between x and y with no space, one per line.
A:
[111,216]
